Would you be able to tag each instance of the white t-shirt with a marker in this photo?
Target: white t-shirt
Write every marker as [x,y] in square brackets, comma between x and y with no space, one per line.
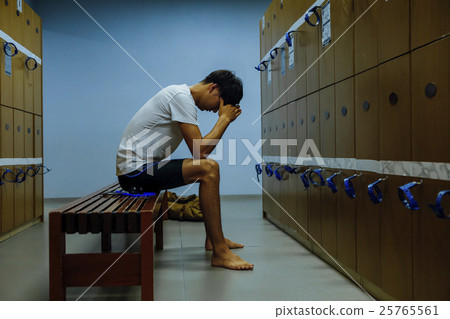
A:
[153,133]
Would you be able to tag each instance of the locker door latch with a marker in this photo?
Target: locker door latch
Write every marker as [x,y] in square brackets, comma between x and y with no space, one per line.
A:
[405,196]
[378,197]
[331,183]
[437,208]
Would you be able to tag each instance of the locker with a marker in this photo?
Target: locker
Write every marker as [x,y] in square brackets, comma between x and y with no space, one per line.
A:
[19,199]
[7,151]
[393,29]
[312,37]
[396,240]
[18,66]
[300,65]
[430,129]
[29,135]
[19,137]
[366,34]
[342,19]
[293,178]
[313,132]
[430,244]
[37,136]
[18,24]
[395,109]
[345,223]
[428,22]
[6,16]
[302,194]
[366,115]
[276,67]
[326,61]
[27,14]
[345,119]
[37,93]
[367,229]
[327,123]
[6,81]
[36,44]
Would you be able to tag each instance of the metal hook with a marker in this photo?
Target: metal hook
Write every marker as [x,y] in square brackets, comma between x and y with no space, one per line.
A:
[358,175]
[383,179]
[419,183]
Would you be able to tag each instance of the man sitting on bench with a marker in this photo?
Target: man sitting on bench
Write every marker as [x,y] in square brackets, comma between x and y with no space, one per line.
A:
[155,132]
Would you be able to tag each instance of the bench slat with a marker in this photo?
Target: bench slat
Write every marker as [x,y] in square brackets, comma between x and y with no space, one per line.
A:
[91,203]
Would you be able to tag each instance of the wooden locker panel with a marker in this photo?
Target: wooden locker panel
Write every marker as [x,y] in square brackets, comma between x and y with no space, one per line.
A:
[393,29]
[312,37]
[18,25]
[28,90]
[292,123]
[7,132]
[7,203]
[366,34]
[328,205]
[430,129]
[6,81]
[313,118]
[430,244]
[275,183]
[19,199]
[345,119]
[342,19]
[19,136]
[29,153]
[29,198]
[36,44]
[29,135]
[284,184]
[263,176]
[395,109]
[37,136]
[327,123]
[293,178]
[300,62]
[326,53]
[428,22]
[367,229]
[396,240]
[39,196]
[18,66]
[276,65]
[263,75]
[366,115]
[28,31]
[302,194]
[283,76]
[37,92]
[6,12]
[268,186]
[345,223]
[7,151]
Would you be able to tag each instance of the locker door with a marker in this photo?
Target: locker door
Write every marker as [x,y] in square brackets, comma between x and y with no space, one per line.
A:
[284,184]
[6,16]
[283,23]
[393,29]
[7,151]
[367,229]
[36,23]
[19,152]
[342,19]
[27,19]
[293,179]
[366,34]
[430,129]
[6,81]
[366,112]
[300,62]
[345,119]
[396,241]
[18,25]
[265,180]
[302,194]
[18,65]
[328,150]
[430,245]
[276,184]
[428,22]
[312,53]
[395,109]
[38,179]
[37,93]
[268,186]
[263,77]
[326,62]
[346,223]
[29,153]
[313,129]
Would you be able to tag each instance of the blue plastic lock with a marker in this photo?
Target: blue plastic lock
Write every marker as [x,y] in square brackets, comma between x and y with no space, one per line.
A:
[437,208]
[305,179]
[331,183]
[408,201]
[318,172]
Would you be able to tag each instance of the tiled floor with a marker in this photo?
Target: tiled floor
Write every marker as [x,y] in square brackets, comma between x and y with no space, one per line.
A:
[284,270]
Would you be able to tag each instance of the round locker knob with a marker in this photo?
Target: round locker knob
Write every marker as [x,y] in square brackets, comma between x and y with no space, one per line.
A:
[284,125]
[262,32]
[327,115]
[7,127]
[366,105]
[19,129]
[264,131]
[6,2]
[281,5]
[29,130]
[393,98]
[313,118]
[268,24]
[38,132]
[301,121]
[274,16]
[18,13]
[344,111]
[270,129]
[37,30]
[28,21]
[430,90]
[276,128]
[292,123]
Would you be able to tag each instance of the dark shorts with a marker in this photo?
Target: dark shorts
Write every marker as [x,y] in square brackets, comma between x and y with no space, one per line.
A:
[154,177]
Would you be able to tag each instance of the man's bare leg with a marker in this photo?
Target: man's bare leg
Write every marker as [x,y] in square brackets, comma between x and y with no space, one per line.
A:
[230,244]
[207,173]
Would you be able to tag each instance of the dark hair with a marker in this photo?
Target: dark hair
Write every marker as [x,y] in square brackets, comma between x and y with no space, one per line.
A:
[230,85]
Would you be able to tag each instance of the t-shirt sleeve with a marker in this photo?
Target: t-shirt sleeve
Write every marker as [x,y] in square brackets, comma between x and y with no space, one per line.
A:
[182,109]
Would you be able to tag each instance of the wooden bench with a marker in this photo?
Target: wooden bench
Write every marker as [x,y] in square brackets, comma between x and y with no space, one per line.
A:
[106,213]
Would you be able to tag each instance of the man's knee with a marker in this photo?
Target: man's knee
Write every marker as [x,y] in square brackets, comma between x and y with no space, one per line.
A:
[210,168]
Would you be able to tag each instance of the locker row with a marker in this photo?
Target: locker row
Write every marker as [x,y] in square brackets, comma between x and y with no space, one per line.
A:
[392,112]
[24,27]
[379,35]
[21,134]
[22,87]
[393,252]
[21,202]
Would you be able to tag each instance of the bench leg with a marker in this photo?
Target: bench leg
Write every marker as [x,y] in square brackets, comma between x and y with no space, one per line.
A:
[57,249]
[106,242]
[146,256]
[159,224]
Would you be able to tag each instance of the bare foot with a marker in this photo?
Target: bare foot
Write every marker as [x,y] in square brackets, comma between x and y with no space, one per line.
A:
[230,244]
[230,260]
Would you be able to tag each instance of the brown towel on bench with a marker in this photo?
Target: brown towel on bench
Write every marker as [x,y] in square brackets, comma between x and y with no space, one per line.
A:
[184,208]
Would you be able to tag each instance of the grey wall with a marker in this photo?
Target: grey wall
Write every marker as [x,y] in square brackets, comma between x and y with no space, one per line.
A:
[92,88]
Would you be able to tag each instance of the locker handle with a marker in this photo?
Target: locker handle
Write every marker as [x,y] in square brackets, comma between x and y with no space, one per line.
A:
[38,168]
[289,38]
[349,189]
[378,198]
[8,171]
[34,66]
[13,49]
[289,169]
[437,208]
[20,179]
[274,52]
[258,171]
[318,172]
[269,171]
[262,66]
[305,179]
[277,174]
[408,201]
[30,168]
[313,11]
[331,183]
